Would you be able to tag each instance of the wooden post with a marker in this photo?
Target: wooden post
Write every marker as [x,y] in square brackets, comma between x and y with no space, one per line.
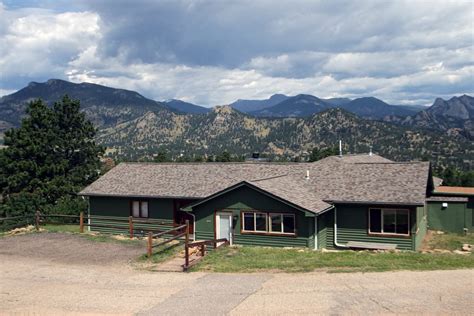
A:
[203,250]
[186,247]
[81,222]
[150,244]
[130,226]
[37,220]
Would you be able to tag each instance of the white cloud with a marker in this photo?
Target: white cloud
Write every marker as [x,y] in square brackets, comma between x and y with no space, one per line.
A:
[215,52]
[40,43]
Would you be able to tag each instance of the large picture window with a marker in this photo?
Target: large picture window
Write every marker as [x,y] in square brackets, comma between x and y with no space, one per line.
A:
[271,223]
[389,221]
[140,209]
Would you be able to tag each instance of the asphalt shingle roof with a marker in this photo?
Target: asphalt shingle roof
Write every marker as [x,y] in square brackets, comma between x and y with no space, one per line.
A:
[351,179]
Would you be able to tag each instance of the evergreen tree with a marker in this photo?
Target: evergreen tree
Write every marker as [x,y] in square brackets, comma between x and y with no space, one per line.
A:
[318,154]
[49,158]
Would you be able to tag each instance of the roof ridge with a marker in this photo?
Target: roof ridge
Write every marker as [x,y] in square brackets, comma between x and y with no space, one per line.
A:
[269,178]
[212,163]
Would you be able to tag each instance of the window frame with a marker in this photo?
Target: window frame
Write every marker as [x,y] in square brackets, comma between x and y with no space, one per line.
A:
[382,233]
[254,222]
[140,209]
[282,228]
[268,230]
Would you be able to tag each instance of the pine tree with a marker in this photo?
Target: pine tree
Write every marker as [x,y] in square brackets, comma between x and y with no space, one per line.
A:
[49,158]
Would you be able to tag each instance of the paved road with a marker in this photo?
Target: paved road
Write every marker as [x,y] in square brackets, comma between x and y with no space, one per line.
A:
[66,283]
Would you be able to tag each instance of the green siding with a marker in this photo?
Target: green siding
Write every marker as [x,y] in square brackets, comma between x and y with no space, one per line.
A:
[325,223]
[352,225]
[454,218]
[246,198]
[117,207]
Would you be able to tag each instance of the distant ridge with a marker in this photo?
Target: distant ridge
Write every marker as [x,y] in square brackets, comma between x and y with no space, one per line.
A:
[247,106]
[186,107]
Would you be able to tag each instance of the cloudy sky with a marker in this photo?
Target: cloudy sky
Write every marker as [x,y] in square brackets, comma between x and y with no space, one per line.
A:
[214,52]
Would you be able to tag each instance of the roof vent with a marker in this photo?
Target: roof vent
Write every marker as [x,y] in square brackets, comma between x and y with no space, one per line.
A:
[340,148]
[307,175]
[370,152]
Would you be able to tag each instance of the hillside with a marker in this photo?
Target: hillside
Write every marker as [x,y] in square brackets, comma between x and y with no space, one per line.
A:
[105,106]
[455,116]
[227,129]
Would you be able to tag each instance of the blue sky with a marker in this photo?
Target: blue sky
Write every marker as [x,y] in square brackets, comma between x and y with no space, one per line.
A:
[214,52]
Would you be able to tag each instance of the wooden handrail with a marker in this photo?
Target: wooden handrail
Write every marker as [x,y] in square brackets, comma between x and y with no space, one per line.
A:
[168,231]
[168,240]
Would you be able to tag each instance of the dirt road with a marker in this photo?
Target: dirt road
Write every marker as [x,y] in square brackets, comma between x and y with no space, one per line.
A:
[39,275]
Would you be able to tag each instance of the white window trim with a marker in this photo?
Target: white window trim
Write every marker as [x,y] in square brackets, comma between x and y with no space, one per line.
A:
[268,225]
[254,222]
[281,232]
[382,223]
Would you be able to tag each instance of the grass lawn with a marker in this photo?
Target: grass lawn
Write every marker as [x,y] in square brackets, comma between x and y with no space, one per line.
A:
[450,241]
[253,259]
[61,228]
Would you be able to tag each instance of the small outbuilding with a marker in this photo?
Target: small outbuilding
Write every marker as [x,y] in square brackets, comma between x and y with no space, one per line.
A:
[450,209]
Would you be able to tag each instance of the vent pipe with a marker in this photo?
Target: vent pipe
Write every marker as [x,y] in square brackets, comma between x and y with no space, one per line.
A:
[307,175]
[370,152]
[340,148]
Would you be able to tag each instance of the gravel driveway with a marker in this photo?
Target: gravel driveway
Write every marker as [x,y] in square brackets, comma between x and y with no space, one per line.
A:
[50,274]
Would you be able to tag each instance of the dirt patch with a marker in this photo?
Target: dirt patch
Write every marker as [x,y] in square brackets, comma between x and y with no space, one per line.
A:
[69,249]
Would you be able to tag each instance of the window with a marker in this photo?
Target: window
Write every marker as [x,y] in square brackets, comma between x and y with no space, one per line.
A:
[140,209]
[389,221]
[255,222]
[272,223]
[282,223]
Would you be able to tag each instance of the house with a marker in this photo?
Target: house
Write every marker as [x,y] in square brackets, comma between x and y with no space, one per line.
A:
[337,202]
[451,209]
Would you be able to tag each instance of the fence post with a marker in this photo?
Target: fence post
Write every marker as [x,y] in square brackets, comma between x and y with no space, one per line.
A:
[186,247]
[130,226]
[81,222]
[149,244]
[203,250]
[37,220]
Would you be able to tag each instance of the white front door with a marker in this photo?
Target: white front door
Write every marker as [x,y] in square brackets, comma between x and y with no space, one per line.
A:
[224,226]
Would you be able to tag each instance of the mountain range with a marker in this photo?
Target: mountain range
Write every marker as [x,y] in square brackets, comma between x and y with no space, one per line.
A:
[135,127]
[304,105]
